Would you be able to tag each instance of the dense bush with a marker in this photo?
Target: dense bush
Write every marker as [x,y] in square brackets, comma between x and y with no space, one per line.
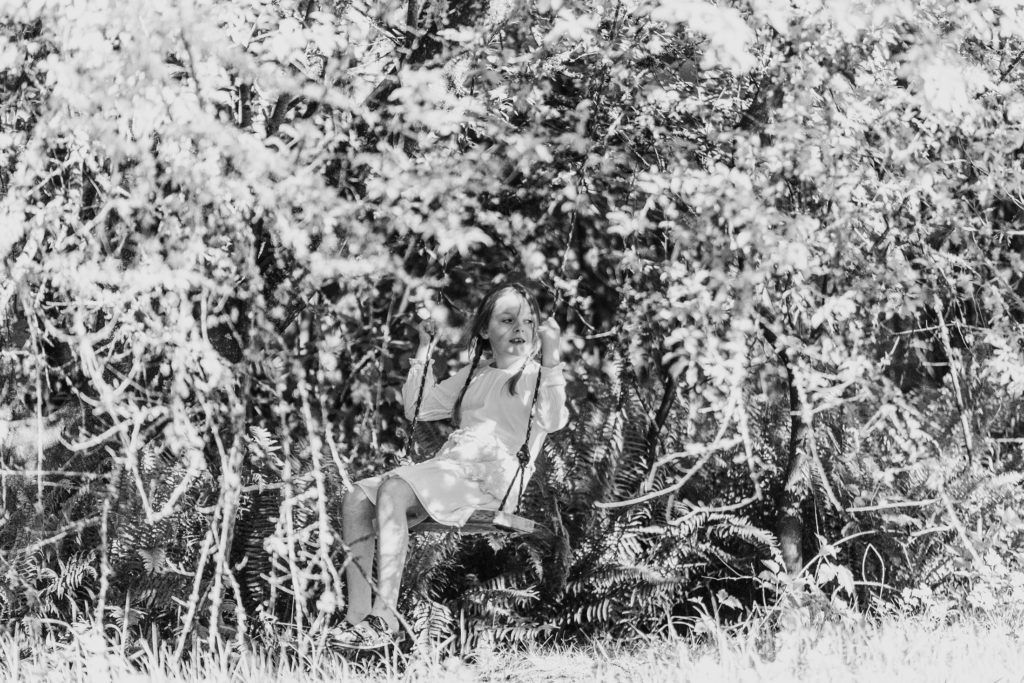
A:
[784,241]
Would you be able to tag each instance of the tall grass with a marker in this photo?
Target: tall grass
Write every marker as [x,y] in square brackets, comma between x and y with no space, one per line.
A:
[900,648]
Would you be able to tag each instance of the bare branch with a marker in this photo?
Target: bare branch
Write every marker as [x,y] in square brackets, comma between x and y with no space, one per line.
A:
[707,451]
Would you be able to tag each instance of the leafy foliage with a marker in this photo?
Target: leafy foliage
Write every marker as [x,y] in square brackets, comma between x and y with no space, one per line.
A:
[783,241]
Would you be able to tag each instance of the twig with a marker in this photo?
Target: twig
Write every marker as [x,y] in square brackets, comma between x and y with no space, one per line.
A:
[64,531]
[668,399]
[953,368]
[104,558]
[192,65]
[892,506]
[709,450]
[193,601]
[1007,70]
[33,326]
[169,507]
[729,507]
[600,335]
[932,530]
[56,473]
[96,440]
[958,525]
[961,529]
[325,537]
[715,445]
[230,494]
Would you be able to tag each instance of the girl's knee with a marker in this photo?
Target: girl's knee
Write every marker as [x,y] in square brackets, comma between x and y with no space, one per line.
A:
[355,500]
[398,494]
[395,489]
[398,497]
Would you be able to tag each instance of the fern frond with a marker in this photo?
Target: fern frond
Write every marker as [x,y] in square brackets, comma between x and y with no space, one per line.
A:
[431,621]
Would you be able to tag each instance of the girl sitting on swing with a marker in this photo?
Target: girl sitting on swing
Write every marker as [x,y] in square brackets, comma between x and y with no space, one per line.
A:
[491,405]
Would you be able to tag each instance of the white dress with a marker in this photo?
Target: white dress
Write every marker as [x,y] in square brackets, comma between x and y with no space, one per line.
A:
[474,467]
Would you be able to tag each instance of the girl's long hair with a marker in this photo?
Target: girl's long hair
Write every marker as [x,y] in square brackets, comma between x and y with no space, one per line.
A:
[477,343]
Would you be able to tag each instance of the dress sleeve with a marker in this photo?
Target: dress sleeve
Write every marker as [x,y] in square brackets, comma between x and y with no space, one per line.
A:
[438,397]
[551,414]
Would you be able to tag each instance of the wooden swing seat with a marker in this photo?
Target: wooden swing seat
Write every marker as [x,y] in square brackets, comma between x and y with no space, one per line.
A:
[483,522]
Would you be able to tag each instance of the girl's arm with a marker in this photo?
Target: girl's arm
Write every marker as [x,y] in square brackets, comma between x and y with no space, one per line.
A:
[438,399]
[552,414]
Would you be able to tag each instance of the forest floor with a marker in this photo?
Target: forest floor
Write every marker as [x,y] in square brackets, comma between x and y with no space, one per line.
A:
[905,649]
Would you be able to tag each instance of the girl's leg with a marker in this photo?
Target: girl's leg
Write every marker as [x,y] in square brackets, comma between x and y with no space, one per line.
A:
[357,533]
[398,508]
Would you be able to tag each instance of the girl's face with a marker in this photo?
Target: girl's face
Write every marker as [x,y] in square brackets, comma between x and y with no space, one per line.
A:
[511,330]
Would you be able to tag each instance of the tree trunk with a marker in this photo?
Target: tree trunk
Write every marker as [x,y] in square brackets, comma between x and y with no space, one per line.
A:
[790,520]
[789,524]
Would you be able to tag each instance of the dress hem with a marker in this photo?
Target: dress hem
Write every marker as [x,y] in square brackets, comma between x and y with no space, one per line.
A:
[371,486]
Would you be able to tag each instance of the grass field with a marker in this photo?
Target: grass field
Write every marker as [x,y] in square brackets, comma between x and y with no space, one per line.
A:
[904,649]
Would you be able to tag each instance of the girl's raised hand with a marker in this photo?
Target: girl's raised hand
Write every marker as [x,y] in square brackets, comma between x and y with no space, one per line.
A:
[550,334]
[428,330]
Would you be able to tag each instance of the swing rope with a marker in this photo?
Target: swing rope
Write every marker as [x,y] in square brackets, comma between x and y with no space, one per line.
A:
[411,450]
[523,456]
